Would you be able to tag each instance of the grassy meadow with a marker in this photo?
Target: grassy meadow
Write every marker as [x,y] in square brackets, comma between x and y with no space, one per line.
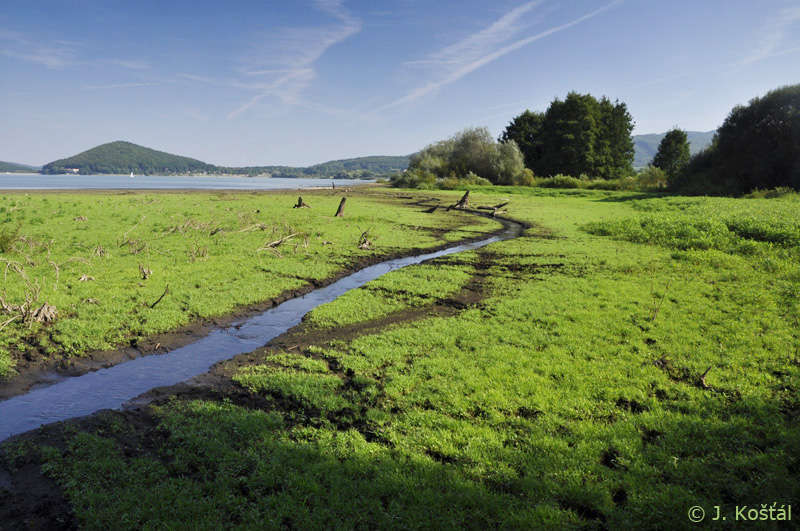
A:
[103,260]
[628,358]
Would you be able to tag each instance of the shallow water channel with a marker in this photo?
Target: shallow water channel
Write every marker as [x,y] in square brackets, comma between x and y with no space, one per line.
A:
[110,388]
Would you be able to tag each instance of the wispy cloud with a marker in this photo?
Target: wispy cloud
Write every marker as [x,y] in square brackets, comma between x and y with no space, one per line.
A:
[130,64]
[772,33]
[732,67]
[121,85]
[286,61]
[482,48]
[477,44]
[55,56]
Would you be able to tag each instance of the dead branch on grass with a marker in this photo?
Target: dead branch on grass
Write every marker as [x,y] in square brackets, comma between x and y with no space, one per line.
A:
[364,242]
[125,238]
[58,274]
[6,323]
[277,242]
[166,290]
[257,226]
[703,378]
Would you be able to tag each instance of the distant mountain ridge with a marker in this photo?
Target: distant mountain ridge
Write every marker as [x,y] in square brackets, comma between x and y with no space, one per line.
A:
[121,158]
[13,167]
[646,146]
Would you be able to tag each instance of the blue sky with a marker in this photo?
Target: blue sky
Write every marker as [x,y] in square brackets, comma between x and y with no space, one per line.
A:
[244,82]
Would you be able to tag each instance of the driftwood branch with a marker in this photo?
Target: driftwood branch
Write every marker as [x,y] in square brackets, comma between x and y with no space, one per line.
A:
[276,243]
[125,238]
[166,290]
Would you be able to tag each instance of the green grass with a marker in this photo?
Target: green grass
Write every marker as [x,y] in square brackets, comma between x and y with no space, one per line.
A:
[207,247]
[412,286]
[616,374]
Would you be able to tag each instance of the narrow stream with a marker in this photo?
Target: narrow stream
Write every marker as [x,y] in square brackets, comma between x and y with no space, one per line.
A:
[110,388]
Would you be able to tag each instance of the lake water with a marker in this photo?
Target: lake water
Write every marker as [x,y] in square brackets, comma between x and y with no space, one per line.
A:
[33,181]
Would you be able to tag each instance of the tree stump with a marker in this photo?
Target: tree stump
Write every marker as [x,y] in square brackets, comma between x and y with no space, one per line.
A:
[301,204]
[47,314]
[340,210]
[463,203]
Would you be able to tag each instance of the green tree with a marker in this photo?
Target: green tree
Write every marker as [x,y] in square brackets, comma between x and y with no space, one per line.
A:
[615,149]
[569,131]
[576,136]
[526,131]
[673,154]
[757,146]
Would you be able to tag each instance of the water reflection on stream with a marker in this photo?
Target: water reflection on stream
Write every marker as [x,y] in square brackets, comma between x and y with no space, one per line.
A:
[110,388]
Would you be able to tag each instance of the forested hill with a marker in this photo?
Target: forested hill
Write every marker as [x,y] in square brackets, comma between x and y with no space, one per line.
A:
[124,157]
[13,167]
[646,146]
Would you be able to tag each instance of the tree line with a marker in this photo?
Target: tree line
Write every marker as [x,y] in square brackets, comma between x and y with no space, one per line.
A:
[585,141]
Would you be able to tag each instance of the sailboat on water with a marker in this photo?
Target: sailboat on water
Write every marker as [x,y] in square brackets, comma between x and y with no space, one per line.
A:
[131,175]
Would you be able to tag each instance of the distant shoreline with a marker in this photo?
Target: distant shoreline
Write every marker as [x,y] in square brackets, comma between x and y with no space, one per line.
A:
[33,181]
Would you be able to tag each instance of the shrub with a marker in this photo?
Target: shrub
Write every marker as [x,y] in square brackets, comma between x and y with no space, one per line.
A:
[455,183]
[526,178]
[780,191]
[652,177]
[414,179]
[624,183]
[560,181]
